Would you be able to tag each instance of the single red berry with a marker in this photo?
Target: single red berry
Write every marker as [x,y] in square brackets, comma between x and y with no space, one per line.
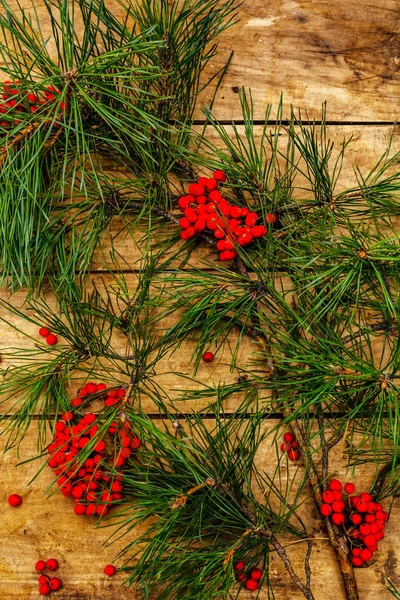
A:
[55,584]
[77,492]
[365,529]
[369,540]
[356,551]
[370,519]
[43,580]
[338,506]
[51,339]
[219,175]
[208,357]
[40,566]
[110,570]
[366,554]
[326,510]
[335,485]
[337,495]
[251,585]
[288,437]
[293,455]
[294,444]
[256,574]
[356,519]
[239,566]
[91,387]
[196,190]
[44,332]
[211,184]
[271,218]
[52,564]
[100,447]
[349,488]
[79,509]
[365,496]
[14,500]
[357,561]
[338,518]
[44,589]
[328,497]
[135,443]
[67,416]
[362,506]
[215,196]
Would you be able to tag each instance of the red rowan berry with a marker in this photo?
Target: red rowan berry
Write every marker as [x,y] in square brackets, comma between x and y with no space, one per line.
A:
[110,570]
[219,175]
[208,357]
[40,565]
[251,585]
[328,497]
[366,554]
[44,589]
[349,488]
[44,332]
[14,500]
[326,510]
[338,518]
[335,485]
[51,339]
[256,574]
[356,519]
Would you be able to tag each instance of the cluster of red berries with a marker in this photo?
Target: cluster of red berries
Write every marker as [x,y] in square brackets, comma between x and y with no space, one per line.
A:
[19,100]
[110,396]
[51,339]
[290,445]
[364,519]
[47,584]
[251,580]
[90,484]
[204,208]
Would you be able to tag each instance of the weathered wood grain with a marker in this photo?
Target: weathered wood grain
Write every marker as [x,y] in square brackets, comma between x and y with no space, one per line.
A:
[346,53]
[47,527]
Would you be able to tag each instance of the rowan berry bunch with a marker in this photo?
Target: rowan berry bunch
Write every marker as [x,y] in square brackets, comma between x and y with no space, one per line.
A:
[47,584]
[206,210]
[19,102]
[291,446]
[93,485]
[363,519]
[250,580]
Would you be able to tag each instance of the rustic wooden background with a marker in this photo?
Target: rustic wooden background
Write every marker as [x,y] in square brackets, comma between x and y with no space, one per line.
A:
[347,53]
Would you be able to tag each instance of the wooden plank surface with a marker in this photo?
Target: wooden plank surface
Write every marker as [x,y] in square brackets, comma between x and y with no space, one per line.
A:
[344,52]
